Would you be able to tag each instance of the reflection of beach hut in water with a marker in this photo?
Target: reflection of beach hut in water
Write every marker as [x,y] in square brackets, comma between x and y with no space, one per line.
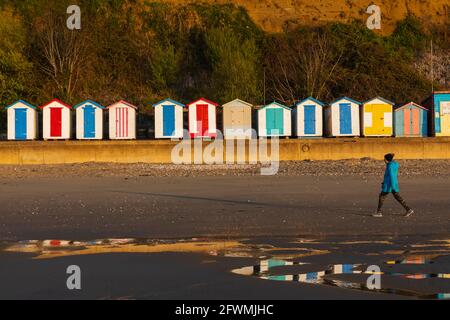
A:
[307,118]
[89,117]
[274,120]
[56,120]
[342,118]
[439,119]
[411,120]
[376,118]
[202,119]
[122,121]
[237,119]
[22,121]
[168,119]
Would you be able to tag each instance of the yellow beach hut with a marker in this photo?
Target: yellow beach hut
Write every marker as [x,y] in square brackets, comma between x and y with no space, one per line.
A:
[377,118]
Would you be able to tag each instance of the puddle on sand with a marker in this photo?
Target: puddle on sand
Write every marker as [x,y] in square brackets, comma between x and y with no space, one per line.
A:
[266,270]
[48,249]
[273,255]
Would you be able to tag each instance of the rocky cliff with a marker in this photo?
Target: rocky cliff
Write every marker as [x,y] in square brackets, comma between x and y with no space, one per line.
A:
[274,15]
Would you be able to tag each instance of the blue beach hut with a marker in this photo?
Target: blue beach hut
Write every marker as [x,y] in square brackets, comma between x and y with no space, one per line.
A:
[89,118]
[308,118]
[342,118]
[22,121]
[168,119]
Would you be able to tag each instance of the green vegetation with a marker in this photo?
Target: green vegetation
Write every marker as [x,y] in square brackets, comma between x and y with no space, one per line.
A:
[143,51]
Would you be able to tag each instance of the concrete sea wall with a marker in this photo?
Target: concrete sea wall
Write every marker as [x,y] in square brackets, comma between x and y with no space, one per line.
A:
[157,151]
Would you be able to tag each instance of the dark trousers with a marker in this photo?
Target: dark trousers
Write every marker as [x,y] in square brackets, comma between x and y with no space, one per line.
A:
[397,197]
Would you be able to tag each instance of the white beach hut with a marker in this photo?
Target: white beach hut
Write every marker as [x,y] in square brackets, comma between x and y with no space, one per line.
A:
[342,118]
[56,120]
[168,119]
[122,121]
[308,118]
[89,117]
[22,121]
[274,120]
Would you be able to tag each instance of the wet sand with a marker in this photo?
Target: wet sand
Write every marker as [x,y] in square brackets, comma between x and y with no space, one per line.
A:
[178,275]
[217,206]
[332,204]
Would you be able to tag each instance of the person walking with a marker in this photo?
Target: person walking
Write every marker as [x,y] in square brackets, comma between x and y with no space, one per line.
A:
[390,185]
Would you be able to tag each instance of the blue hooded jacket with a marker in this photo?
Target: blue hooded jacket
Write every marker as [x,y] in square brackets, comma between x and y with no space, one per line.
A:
[390,183]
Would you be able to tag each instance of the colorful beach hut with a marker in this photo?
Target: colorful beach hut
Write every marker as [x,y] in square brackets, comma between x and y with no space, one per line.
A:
[411,120]
[377,118]
[342,118]
[122,121]
[439,120]
[307,118]
[89,118]
[168,119]
[274,120]
[56,120]
[22,121]
[202,118]
[237,119]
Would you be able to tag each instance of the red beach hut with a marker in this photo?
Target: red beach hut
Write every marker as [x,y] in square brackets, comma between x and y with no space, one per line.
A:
[202,118]
[56,120]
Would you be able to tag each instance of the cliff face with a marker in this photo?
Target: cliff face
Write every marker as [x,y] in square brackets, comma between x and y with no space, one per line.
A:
[274,15]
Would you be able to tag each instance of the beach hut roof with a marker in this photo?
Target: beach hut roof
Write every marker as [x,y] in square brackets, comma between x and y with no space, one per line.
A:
[90,102]
[379,98]
[58,101]
[239,101]
[21,101]
[441,92]
[410,103]
[122,102]
[345,98]
[202,99]
[312,99]
[277,104]
[168,100]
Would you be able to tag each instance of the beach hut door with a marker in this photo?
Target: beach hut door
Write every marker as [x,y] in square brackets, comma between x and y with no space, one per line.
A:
[21,124]
[411,121]
[121,122]
[168,120]
[310,119]
[202,119]
[89,122]
[345,118]
[55,122]
[275,123]
[237,120]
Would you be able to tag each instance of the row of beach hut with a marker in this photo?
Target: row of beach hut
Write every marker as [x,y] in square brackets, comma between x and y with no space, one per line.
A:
[310,117]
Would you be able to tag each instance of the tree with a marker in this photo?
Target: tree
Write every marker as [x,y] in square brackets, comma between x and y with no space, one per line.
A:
[302,64]
[235,64]
[62,53]
[15,69]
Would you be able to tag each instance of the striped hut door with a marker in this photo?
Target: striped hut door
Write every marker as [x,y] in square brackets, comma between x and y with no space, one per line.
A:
[415,121]
[121,122]
[407,121]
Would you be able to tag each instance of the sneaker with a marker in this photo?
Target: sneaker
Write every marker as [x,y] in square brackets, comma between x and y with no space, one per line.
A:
[409,213]
[377,215]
